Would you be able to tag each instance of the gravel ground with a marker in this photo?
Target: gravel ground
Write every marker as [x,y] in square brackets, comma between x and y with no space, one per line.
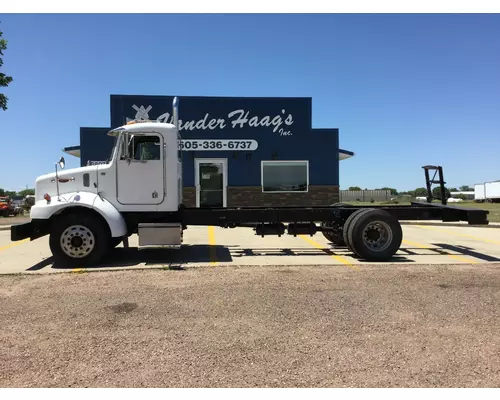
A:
[384,326]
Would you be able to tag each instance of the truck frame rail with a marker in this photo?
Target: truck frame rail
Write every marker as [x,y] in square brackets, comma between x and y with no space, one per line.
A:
[226,217]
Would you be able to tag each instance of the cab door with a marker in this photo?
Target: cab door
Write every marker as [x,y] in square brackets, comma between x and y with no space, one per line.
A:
[140,174]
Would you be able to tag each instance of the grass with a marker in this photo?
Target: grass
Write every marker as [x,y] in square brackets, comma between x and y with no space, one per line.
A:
[493,208]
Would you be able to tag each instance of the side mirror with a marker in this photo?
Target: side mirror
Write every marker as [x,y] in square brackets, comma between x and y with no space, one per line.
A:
[62,163]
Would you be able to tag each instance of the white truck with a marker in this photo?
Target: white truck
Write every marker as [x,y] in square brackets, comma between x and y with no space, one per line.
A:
[479,192]
[492,191]
[89,210]
[487,192]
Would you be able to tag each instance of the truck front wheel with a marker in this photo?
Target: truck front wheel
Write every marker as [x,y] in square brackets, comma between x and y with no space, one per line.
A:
[79,239]
[115,241]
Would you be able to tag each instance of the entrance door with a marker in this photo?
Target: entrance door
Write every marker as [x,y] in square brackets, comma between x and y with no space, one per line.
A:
[211,182]
[140,177]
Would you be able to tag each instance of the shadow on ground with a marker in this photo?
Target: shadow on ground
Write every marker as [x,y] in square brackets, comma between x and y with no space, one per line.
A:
[205,254]
[466,251]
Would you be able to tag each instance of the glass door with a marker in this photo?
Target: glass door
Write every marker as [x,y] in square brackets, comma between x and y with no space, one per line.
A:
[211,182]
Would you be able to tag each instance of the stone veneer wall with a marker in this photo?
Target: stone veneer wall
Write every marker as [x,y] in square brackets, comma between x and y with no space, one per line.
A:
[252,196]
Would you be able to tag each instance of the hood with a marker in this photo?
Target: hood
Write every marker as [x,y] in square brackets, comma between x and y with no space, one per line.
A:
[70,180]
[67,173]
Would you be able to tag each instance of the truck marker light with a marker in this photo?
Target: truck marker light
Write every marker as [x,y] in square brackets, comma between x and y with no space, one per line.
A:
[46,196]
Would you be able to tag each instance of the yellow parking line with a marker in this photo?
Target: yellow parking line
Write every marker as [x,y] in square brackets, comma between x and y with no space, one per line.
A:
[338,258]
[459,258]
[211,242]
[14,244]
[458,234]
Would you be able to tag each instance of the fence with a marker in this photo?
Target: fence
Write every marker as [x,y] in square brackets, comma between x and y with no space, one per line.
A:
[365,195]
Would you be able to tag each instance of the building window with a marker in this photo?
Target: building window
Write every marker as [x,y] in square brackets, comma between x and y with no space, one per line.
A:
[285,176]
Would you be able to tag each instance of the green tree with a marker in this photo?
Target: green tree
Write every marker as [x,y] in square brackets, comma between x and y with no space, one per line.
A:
[354,188]
[436,193]
[420,192]
[465,188]
[26,192]
[2,192]
[4,79]
[394,192]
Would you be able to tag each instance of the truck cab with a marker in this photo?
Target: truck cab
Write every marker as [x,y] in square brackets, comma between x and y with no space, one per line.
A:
[143,173]
[89,209]
[145,168]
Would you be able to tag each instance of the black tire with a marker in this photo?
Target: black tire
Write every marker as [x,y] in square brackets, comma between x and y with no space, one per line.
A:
[334,237]
[337,237]
[115,241]
[92,245]
[375,235]
[347,224]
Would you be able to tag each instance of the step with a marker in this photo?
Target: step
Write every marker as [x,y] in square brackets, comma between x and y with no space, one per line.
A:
[160,235]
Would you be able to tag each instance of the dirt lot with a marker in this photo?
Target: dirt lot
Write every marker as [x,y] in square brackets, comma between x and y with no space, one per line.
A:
[297,326]
[233,309]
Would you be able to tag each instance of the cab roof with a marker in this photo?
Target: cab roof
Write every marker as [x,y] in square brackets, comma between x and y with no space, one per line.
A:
[142,126]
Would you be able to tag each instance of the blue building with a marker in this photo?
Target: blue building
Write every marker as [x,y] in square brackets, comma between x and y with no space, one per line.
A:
[237,151]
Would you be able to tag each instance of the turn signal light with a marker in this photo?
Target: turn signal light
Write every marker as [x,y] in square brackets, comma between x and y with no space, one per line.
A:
[46,196]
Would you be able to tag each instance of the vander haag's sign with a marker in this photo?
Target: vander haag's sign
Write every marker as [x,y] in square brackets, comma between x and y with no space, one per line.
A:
[238,118]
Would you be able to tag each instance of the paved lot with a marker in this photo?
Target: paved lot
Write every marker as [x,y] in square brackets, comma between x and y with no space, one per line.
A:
[213,246]
[294,326]
[13,220]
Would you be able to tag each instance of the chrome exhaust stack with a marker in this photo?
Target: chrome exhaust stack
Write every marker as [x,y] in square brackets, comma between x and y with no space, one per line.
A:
[175,106]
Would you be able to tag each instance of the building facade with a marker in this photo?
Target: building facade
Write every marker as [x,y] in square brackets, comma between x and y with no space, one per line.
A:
[237,151]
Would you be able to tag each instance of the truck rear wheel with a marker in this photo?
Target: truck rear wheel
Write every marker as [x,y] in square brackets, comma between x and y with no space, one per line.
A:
[347,225]
[79,239]
[334,236]
[375,235]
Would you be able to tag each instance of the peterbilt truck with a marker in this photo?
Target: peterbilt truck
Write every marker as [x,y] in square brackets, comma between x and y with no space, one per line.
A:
[89,210]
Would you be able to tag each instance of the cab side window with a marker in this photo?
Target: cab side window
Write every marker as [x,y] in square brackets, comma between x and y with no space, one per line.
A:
[146,148]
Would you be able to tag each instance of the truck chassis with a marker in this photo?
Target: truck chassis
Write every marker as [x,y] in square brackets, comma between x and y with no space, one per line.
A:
[372,233]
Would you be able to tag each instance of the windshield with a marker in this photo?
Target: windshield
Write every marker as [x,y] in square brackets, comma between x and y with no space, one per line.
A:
[112,152]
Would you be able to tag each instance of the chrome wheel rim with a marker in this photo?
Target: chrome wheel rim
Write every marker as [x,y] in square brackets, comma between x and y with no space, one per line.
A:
[377,236]
[77,241]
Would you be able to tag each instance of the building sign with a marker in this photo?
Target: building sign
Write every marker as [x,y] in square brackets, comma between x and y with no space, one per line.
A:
[239,118]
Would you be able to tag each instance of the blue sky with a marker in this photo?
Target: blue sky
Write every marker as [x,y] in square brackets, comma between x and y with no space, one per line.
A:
[404,90]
